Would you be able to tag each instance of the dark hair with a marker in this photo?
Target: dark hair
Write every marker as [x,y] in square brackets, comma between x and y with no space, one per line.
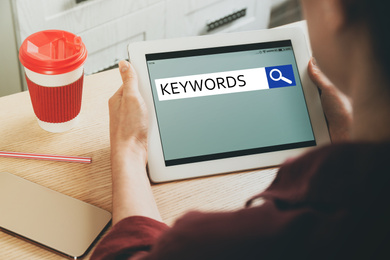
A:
[375,14]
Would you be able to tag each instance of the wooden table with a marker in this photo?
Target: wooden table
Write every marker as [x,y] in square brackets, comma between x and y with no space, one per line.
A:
[19,132]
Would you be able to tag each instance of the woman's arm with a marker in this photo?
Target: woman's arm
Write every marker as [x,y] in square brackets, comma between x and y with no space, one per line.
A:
[132,194]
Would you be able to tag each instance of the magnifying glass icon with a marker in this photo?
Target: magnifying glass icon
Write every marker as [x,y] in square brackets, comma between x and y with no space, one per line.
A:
[280,76]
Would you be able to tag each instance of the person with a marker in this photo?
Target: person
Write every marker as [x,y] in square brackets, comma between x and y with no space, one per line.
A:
[329,203]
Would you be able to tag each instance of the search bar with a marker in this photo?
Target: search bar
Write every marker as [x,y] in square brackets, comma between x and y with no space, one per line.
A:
[226,82]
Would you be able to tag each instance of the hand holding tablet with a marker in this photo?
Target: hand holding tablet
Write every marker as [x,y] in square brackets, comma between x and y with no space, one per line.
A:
[229,102]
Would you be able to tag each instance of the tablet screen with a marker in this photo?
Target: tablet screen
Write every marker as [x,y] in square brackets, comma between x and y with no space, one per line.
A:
[223,102]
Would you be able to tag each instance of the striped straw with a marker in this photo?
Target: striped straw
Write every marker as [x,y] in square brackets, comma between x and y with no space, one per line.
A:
[46,157]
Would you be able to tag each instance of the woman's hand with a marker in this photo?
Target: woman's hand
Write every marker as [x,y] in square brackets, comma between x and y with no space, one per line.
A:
[337,107]
[131,191]
[128,114]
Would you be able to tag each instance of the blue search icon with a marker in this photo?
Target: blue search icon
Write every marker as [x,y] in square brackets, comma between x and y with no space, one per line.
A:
[280,76]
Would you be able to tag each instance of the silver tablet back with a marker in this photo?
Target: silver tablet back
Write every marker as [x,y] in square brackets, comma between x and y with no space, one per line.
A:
[49,218]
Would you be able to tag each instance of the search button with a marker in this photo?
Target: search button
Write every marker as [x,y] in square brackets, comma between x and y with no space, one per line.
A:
[280,76]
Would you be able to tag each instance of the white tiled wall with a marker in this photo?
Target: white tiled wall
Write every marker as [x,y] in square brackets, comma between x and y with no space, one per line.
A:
[107,26]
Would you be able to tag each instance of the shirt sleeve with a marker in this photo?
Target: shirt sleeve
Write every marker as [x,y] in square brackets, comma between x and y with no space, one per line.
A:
[235,235]
[310,211]
[130,236]
[252,233]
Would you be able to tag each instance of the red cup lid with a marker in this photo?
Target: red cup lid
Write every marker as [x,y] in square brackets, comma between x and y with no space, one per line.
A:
[52,52]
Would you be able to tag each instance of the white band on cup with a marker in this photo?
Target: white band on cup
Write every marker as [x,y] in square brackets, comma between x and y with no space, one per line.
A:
[54,80]
[58,127]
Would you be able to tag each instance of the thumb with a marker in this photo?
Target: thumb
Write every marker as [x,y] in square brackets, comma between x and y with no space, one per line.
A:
[318,77]
[129,77]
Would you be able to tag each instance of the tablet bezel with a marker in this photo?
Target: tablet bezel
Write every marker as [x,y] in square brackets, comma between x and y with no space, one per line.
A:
[158,172]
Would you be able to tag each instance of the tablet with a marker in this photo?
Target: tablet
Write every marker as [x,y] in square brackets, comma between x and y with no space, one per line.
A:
[228,102]
[48,218]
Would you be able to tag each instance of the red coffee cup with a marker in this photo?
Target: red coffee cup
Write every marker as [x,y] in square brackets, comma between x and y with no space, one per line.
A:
[54,65]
